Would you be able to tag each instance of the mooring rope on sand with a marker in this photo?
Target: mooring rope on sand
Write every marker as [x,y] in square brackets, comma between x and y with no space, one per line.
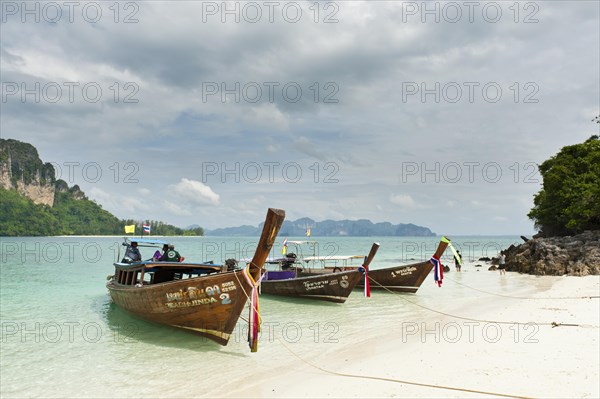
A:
[521,297]
[551,324]
[436,386]
[419,384]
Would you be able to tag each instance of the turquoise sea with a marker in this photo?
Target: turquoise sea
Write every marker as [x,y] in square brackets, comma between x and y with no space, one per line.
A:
[61,336]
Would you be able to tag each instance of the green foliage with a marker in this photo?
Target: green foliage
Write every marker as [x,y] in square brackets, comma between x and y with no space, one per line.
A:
[81,216]
[19,216]
[569,201]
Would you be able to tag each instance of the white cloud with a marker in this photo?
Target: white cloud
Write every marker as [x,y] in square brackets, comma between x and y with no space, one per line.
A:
[405,201]
[194,192]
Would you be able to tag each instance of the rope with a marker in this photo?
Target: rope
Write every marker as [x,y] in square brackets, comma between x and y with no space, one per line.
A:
[254,320]
[521,297]
[552,324]
[420,384]
[434,386]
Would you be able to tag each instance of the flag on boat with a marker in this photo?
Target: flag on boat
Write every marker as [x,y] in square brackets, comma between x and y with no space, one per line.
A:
[284,248]
[130,229]
[308,232]
[146,228]
[438,270]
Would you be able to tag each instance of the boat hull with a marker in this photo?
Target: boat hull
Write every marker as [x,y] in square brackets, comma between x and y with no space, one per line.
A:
[331,287]
[208,306]
[405,278]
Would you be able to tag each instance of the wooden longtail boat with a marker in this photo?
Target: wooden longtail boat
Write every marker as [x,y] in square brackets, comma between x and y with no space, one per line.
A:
[405,278]
[332,287]
[319,284]
[201,298]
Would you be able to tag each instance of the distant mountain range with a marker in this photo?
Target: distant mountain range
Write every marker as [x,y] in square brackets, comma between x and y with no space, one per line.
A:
[330,228]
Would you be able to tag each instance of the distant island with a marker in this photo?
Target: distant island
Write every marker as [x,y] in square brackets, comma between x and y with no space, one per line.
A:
[34,203]
[331,228]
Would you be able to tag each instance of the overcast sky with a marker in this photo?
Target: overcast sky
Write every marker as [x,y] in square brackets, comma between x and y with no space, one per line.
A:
[198,113]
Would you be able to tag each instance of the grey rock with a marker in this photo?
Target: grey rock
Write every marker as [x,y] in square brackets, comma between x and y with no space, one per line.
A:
[577,255]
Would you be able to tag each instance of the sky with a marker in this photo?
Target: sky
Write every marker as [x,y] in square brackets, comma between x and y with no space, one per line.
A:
[189,112]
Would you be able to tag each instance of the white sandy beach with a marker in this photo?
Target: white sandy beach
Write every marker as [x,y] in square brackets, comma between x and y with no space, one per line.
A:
[512,359]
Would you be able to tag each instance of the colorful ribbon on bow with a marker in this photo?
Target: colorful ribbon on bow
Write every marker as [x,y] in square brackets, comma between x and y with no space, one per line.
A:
[367,282]
[438,270]
[254,316]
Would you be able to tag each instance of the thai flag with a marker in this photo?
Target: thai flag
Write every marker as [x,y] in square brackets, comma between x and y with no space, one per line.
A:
[146,228]
[438,270]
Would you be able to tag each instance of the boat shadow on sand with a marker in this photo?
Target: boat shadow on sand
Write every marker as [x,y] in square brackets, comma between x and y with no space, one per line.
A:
[128,328]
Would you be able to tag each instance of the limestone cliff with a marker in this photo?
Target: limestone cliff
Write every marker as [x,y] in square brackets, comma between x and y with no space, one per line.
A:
[22,169]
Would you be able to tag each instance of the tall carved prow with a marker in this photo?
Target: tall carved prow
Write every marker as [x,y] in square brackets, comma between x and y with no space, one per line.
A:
[273,223]
[444,241]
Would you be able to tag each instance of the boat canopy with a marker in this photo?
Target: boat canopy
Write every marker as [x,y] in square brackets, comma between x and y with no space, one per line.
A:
[309,258]
[146,241]
[332,257]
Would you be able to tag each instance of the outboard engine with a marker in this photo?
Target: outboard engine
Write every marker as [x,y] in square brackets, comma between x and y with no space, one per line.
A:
[231,264]
[290,260]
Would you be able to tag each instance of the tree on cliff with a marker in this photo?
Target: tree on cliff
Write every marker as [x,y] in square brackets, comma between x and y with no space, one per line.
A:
[569,201]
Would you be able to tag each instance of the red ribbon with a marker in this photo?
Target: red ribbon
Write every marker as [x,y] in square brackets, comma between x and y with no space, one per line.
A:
[367,283]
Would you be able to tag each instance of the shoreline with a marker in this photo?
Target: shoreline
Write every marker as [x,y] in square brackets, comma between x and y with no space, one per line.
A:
[526,357]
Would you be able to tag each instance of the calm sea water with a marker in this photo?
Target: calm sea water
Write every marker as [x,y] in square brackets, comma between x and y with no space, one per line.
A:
[61,336]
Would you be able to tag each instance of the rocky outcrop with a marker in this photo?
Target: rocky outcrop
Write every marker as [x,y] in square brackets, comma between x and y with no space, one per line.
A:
[37,192]
[22,169]
[577,255]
